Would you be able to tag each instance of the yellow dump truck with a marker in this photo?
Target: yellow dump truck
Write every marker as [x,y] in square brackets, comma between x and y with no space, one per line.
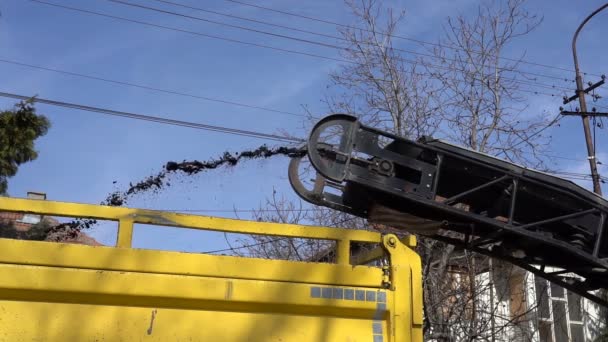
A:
[66,292]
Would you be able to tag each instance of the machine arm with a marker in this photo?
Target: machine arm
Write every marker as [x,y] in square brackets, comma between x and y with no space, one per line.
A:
[543,223]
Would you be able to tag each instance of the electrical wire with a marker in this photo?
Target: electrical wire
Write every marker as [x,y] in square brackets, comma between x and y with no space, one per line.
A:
[594,141]
[140,86]
[602,107]
[190,32]
[555,120]
[216,100]
[423,42]
[242,42]
[574,174]
[308,32]
[594,148]
[249,19]
[231,249]
[552,156]
[336,47]
[569,175]
[220,129]
[278,35]
[156,119]
[536,92]
[190,95]
[241,210]
[581,177]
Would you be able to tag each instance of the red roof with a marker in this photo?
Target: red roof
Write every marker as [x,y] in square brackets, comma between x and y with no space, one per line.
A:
[17,220]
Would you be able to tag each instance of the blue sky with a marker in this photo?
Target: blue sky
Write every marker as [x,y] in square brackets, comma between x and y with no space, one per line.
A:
[84,153]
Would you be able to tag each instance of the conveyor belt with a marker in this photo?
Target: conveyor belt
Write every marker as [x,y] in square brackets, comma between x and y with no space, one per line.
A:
[542,223]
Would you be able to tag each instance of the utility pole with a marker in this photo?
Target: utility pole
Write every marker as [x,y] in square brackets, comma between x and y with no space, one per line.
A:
[580,93]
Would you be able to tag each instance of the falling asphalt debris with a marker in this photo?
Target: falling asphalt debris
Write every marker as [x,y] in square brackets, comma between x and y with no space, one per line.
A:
[157,182]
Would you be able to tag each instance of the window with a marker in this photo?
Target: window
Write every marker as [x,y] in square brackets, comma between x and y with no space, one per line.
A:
[31,218]
[559,312]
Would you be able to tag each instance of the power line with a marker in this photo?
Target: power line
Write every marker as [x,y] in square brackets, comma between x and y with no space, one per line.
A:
[308,32]
[213,128]
[231,249]
[190,32]
[278,35]
[536,92]
[396,36]
[248,19]
[135,85]
[222,101]
[156,119]
[245,42]
[341,48]
[568,175]
[555,157]
[598,106]
[555,120]
[581,176]
[246,210]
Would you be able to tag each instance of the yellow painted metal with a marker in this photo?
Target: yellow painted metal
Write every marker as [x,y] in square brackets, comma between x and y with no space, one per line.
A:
[152,261]
[63,285]
[169,219]
[406,281]
[64,292]
[125,233]
[343,252]
[67,322]
[410,241]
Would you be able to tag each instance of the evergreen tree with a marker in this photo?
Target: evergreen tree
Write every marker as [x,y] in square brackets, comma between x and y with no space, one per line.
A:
[19,128]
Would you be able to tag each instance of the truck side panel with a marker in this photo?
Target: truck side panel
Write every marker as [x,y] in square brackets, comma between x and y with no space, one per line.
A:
[64,292]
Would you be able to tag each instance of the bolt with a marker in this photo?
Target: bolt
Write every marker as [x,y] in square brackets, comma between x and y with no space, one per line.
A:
[392,241]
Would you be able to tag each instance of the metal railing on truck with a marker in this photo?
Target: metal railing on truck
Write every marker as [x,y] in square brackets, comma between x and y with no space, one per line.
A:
[53,291]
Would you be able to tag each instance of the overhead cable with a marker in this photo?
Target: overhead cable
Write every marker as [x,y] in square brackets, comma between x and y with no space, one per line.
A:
[551,123]
[305,31]
[258,45]
[156,119]
[423,42]
[341,48]
[135,85]
[189,32]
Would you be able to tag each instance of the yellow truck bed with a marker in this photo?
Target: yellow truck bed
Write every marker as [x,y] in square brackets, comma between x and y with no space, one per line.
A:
[66,292]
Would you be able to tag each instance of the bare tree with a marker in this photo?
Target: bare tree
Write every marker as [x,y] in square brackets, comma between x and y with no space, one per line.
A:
[379,85]
[280,210]
[483,109]
[486,110]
